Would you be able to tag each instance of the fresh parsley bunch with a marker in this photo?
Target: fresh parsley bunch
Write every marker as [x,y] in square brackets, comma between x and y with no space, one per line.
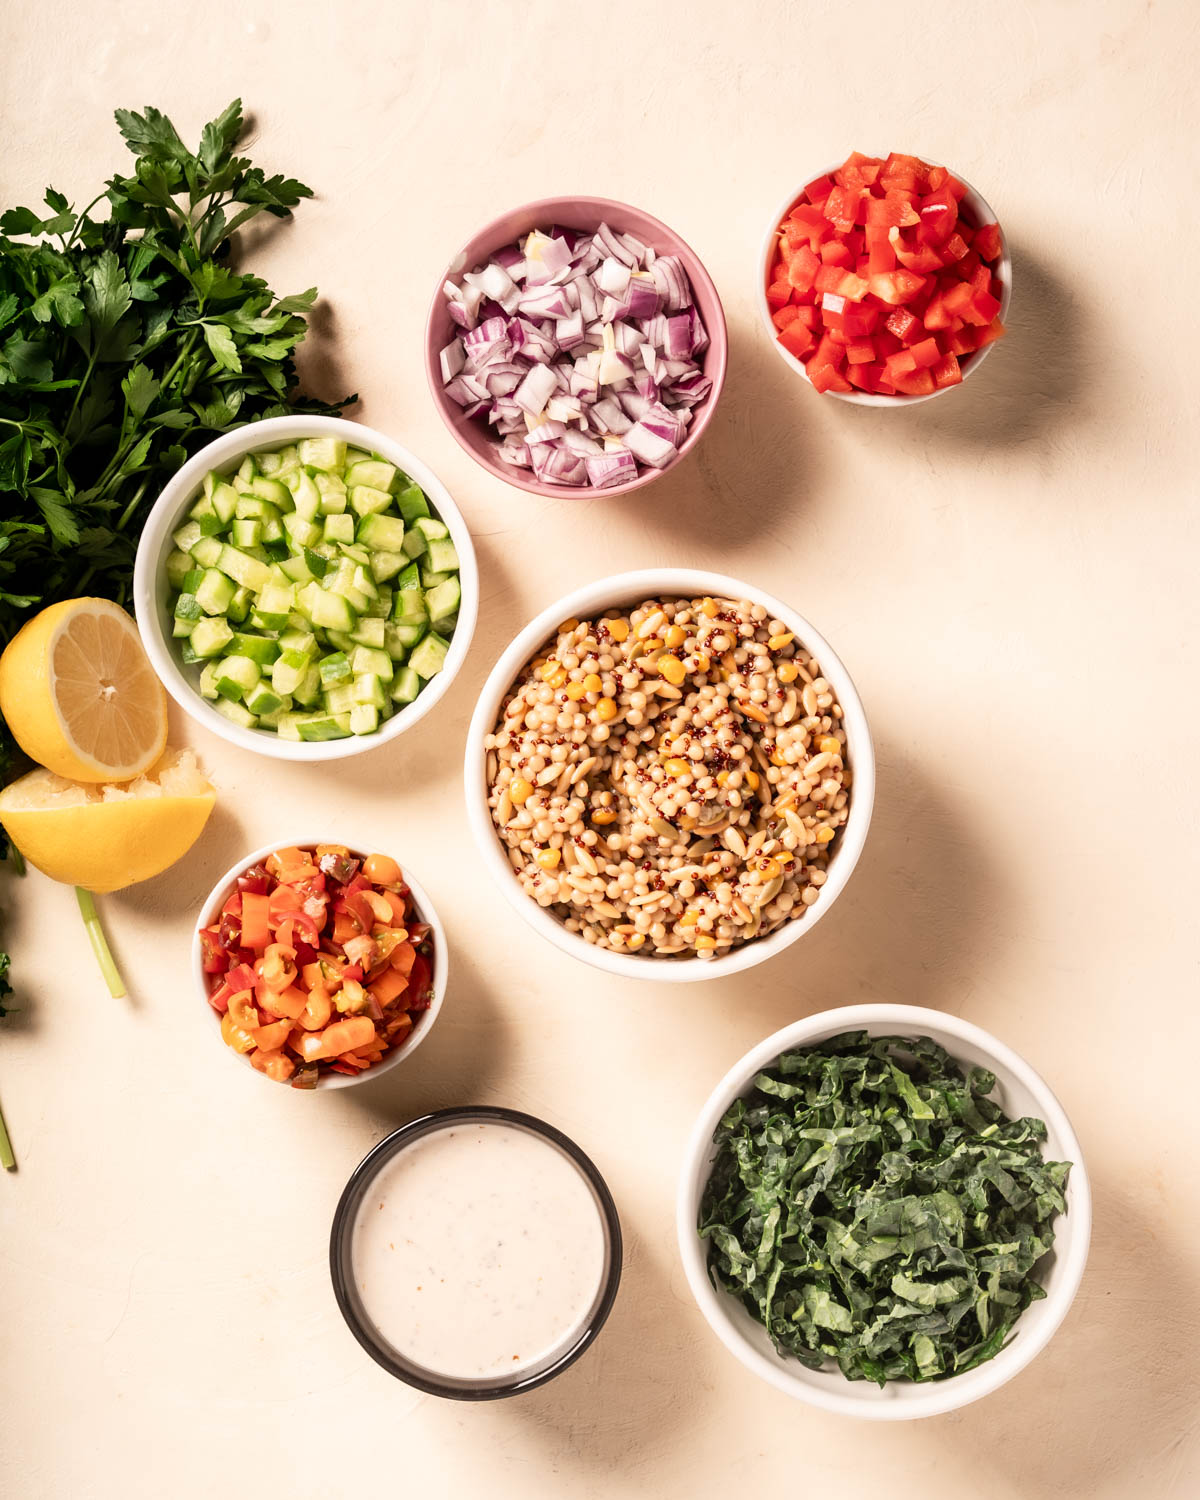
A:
[126,343]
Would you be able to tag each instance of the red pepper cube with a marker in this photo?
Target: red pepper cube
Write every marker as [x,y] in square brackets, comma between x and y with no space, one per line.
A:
[954,249]
[803,268]
[962,341]
[887,343]
[826,378]
[939,215]
[841,208]
[937,178]
[828,351]
[784,316]
[828,279]
[855,243]
[987,241]
[953,186]
[817,190]
[860,319]
[836,253]
[797,339]
[881,257]
[947,372]
[897,287]
[984,308]
[988,335]
[852,286]
[900,322]
[832,308]
[926,353]
[807,316]
[936,314]
[920,383]
[812,222]
[860,352]
[778,293]
[900,365]
[865,377]
[965,268]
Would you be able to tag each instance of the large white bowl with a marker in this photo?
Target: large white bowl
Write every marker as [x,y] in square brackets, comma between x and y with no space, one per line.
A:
[1020,1091]
[152,593]
[623,590]
[983,213]
[210,913]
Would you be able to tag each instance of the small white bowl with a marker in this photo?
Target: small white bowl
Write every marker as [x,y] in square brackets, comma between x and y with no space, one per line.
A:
[622,590]
[983,214]
[1019,1091]
[210,913]
[152,593]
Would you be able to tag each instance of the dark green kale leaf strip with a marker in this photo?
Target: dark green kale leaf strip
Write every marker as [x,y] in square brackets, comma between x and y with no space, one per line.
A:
[870,1204]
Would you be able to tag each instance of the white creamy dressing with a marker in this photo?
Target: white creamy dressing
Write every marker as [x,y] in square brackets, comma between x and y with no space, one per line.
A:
[479,1251]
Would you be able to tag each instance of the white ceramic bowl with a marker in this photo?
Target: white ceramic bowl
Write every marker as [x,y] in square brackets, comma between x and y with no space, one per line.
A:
[210,913]
[151,592]
[1019,1091]
[620,591]
[983,213]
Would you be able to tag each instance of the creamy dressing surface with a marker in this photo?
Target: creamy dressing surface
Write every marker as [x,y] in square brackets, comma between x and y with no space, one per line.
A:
[479,1251]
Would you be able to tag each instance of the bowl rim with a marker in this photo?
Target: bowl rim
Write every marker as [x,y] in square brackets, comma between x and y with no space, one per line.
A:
[986,215]
[342,1230]
[326,1082]
[156,542]
[912,1400]
[609,591]
[495,234]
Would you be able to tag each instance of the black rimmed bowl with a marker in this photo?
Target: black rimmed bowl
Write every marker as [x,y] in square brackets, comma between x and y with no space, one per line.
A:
[358,1319]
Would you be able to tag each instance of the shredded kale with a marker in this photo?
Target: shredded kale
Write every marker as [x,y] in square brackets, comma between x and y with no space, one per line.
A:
[870,1204]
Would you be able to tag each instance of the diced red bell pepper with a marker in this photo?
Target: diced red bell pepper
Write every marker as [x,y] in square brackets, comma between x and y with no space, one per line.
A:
[860,352]
[947,372]
[785,315]
[956,188]
[961,341]
[803,269]
[901,322]
[836,253]
[896,287]
[797,339]
[937,178]
[235,982]
[808,316]
[891,212]
[920,383]
[954,249]
[880,255]
[965,268]
[827,378]
[214,958]
[779,293]
[818,190]
[939,215]
[984,308]
[828,279]
[858,171]
[988,335]
[936,315]
[920,258]
[841,207]
[987,241]
[865,377]
[833,307]
[926,353]
[860,319]
[898,365]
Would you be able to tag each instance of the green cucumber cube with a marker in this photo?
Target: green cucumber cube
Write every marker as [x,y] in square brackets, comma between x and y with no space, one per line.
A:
[405,686]
[237,676]
[209,638]
[181,628]
[340,699]
[257,648]
[430,578]
[364,718]
[431,528]
[331,611]
[386,532]
[304,533]
[246,534]
[332,490]
[308,690]
[368,660]
[302,642]
[224,500]
[289,672]
[339,528]
[297,569]
[188,607]
[261,700]
[396,648]
[208,679]
[411,502]
[244,569]
[406,633]
[443,556]
[236,713]
[322,453]
[323,726]
[246,474]
[178,565]
[307,497]
[429,657]
[271,490]
[187,536]
[385,565]
[444,600]
[364,499]
[334,668]
[369,632]
[415,544]
[373,472]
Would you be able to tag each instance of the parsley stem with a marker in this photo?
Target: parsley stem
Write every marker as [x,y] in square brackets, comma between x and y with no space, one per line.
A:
[87,910]
[127,513]
[7,1160]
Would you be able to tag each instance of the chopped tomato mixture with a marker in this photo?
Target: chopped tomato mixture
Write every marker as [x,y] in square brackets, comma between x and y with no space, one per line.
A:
[883,281]
[318,963]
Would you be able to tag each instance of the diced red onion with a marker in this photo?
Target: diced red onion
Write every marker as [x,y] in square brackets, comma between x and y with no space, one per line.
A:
[591,338]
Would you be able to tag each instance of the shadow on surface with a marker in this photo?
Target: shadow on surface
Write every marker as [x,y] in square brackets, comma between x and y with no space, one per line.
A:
[1116,1389]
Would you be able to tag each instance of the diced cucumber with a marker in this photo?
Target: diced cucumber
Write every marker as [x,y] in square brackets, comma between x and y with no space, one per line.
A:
[385,565]
[261,700]
[373,472]
[244,569]
[302,642]
[443,601]
[257,648]
[224,501]
[416,544]
[431,528]
[370,689]
[405,685]
[210,637]
[188,607]
[340,641]
[323,726]
[364,499]
[307,497]
[208,679]
[371,660]
[410,596]
[322,453]
[236,713]
[247,472]
[318,558]
[430,579]
[297,569]
[236,676]
[304,533]
[270,489]
[332,490]
[180,629]
[289,672]
[334,669]
[340,699]
[187,536]
[369,632]
[380,608]
[408,632]
[308,690]
[246,533]
[429,657]
[252,508]
[364,718]
[178,566]
[339,528]
[376,530]
[210,525]
[274,607]
[411,502]
[277,548]
[203,507]
[286,726]
[332,611]
[355,552]
[443,557]
[396,648]
[239,607]
[355,456]
[207,552]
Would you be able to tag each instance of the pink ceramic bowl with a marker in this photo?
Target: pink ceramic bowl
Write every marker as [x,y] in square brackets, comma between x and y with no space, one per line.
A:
[585,214]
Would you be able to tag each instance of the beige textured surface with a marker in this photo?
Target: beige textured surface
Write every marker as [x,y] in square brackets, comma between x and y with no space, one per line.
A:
[1010,575]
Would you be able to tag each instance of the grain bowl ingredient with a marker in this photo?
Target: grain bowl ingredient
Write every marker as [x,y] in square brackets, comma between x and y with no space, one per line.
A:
[870,1204]
[883,281]
[671,780]
[581,351]
[318,963]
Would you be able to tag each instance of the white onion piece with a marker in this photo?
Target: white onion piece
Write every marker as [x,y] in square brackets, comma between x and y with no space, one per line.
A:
[535,390]
[648,446]
[452,358]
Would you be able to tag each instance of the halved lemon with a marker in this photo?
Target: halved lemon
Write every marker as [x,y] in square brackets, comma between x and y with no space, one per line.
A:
[80,695]
[107,837]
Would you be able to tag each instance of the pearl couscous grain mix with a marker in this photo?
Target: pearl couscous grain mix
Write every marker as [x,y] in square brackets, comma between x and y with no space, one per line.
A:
[671,780]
